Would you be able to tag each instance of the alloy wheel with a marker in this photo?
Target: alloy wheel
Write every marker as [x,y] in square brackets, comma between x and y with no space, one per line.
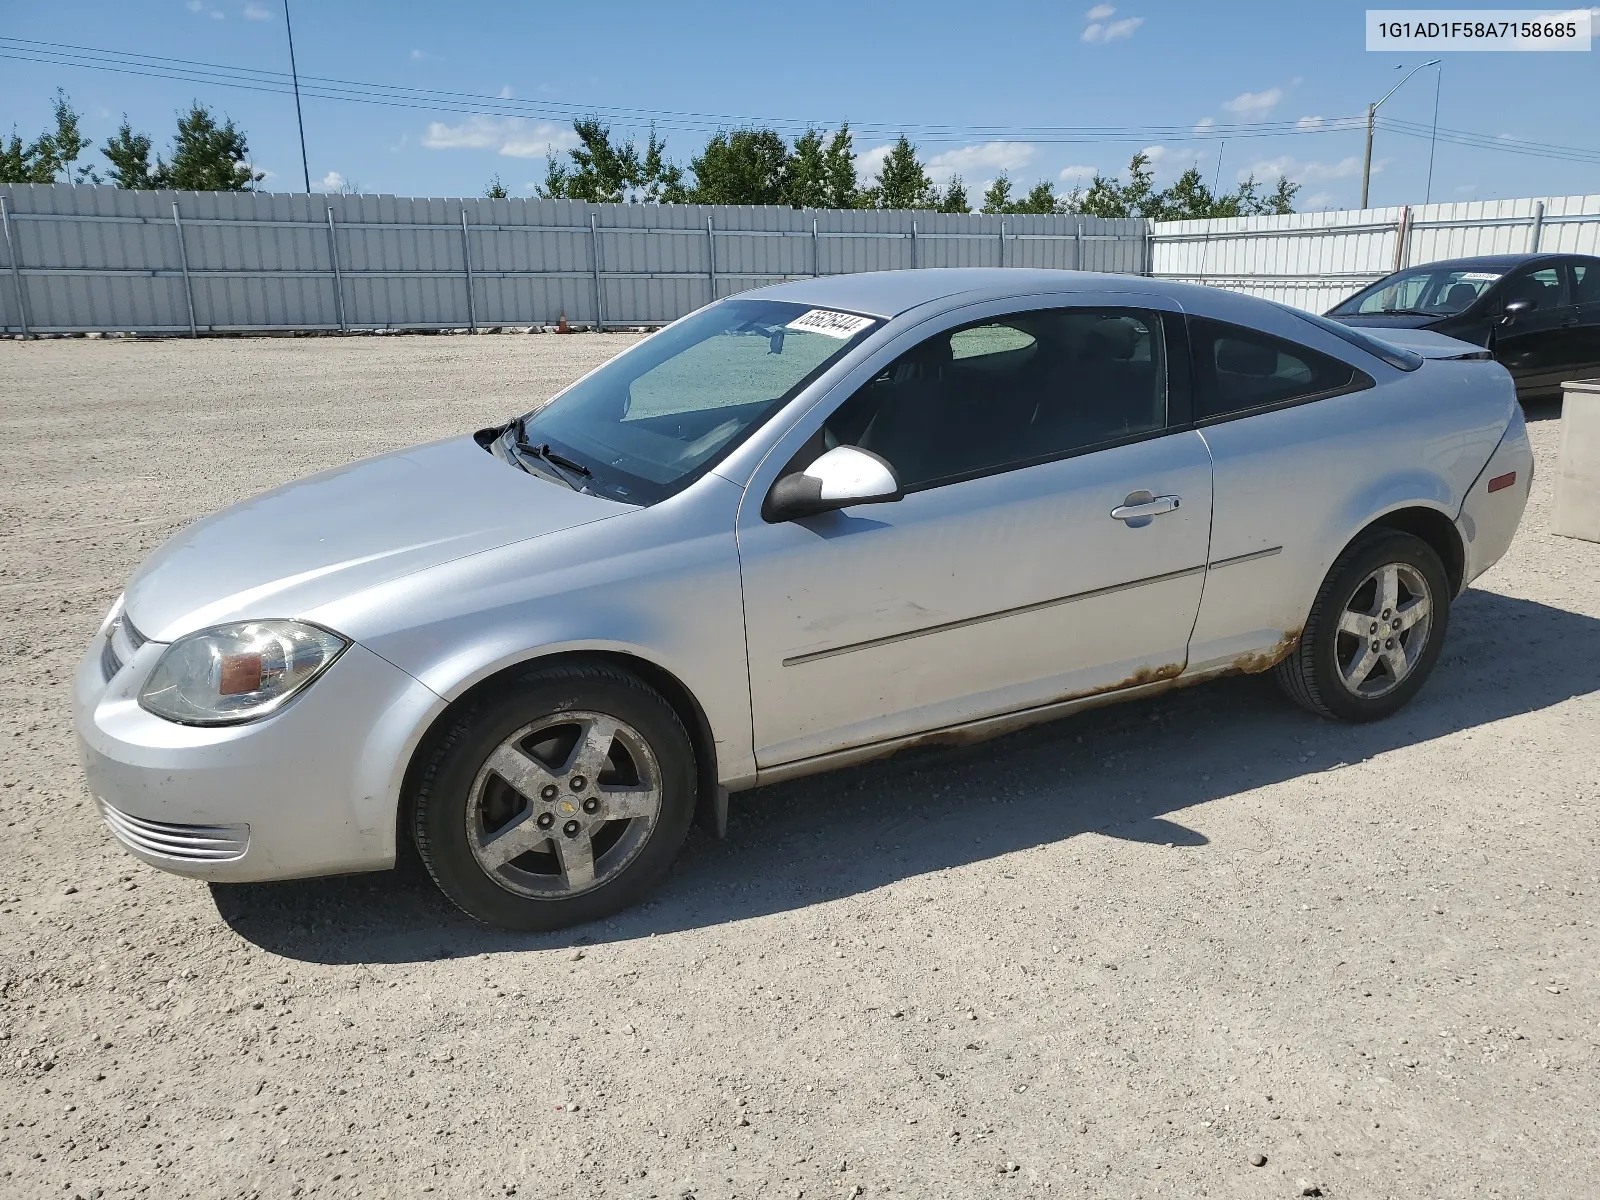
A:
[1383,630]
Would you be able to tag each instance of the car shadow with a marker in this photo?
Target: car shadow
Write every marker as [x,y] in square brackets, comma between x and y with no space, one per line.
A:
[1544,409]
[1118,771]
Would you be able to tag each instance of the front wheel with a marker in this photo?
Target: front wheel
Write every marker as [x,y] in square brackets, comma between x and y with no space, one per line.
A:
[561,797]
[1375,630]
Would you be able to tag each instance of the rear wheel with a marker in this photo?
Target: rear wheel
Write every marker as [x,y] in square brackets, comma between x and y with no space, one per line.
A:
[560,798]
[1375,630]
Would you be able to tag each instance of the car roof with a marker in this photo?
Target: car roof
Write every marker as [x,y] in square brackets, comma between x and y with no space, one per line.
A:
[890,293]
[1490,260]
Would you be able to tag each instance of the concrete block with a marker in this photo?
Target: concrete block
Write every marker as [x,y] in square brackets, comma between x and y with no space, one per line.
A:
[1576,512]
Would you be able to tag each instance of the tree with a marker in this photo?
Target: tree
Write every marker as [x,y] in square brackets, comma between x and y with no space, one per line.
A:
[902,181]
[496,190]
[839,165]
[129,155]
[49,158]
[207,157]
[746,166]
[954,197]
[806,176]
[1187,199]
[605,172]
[1041,198]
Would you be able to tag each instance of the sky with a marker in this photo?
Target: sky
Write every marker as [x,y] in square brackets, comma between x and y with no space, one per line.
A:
[981,89]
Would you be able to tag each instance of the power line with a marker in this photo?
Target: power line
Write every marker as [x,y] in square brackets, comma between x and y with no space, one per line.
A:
[436,100]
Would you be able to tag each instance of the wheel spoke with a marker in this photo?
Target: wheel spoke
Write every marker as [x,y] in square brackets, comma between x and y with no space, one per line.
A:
[592,752]
[1358,624]
[1395,659]
[1388,589]
[513,841]
[577,859]
[1356,673]
[618,804]
[523,773]
[1413,612]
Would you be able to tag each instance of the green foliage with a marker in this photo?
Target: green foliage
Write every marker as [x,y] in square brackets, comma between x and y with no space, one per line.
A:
[840,170]
[129,155]
[954,197]
[746,166]
[1041,198]
[1187,199]
[49,158]
[806,174]
[207,157]
[496,190]
[605,172]
[902,181]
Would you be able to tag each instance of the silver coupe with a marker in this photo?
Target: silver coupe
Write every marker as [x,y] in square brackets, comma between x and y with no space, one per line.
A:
[804,526]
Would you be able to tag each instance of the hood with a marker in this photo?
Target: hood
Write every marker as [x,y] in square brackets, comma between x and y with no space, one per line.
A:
[1389,321]
[287,551]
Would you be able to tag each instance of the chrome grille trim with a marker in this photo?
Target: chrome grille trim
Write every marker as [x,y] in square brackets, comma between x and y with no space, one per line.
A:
[122,642]
[193,843]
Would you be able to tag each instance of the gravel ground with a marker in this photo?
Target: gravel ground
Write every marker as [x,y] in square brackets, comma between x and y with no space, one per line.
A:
[1126,955]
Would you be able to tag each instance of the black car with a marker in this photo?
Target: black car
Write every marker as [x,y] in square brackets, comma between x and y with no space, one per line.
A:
[1539,314]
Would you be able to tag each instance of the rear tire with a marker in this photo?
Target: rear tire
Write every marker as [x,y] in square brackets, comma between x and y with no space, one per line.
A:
[1375,630]
[558,798]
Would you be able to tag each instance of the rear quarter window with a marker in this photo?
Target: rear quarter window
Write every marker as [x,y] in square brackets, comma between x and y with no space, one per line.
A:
[1239,370]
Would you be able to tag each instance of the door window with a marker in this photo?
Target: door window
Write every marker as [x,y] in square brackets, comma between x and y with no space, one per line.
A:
[1543,287]
[1014,390]
[1585,283]
[1238,370]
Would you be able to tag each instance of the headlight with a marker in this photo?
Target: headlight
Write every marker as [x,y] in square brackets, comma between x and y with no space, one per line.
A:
[238,672]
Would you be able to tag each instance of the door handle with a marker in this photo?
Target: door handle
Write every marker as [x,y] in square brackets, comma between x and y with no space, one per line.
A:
[1140,507]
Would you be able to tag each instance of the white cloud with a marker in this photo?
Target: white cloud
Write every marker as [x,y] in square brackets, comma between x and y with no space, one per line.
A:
[505,92]
[1308,123]
[423,56]
[1268,169]
[1204,124]
[1255,104]
[514,137]
[217,16]
[1100,12]
[1317,200]
[870,162]
[1078,173]
[986,156]
[331,182]
[1111,31]
[1155,153]
[194,5]
[254,12]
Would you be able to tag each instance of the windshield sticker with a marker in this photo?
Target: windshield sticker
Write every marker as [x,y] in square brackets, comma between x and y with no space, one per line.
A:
[829,323]
[1479,277]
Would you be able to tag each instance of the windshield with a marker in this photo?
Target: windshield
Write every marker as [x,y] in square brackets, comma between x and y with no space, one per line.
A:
[654,418]
[1436,291]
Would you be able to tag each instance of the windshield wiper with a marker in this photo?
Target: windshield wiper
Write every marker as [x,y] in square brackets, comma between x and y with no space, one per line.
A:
[541,450]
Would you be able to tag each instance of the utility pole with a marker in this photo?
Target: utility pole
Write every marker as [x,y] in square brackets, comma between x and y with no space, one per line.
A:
[301,121]
[1372,115]
[1433,137]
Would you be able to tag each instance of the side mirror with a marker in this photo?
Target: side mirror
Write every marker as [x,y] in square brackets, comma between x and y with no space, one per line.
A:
[843,476]
[1512,309]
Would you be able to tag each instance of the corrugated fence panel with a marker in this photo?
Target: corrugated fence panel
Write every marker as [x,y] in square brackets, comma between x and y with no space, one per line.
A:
[1314,260]
[96,258]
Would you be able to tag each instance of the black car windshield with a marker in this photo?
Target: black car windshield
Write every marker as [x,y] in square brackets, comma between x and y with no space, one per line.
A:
[655,418]
[1439,290]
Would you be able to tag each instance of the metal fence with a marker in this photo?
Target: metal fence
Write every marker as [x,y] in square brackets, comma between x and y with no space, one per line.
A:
[82,259]
[1314,260]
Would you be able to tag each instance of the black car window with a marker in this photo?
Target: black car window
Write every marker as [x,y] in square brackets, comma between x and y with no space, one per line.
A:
[1018,389]
[1542,286]
[1238,370]
[1438,290]
[1585,282]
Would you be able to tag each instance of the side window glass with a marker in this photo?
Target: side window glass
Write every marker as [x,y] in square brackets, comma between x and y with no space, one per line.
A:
[1011,391]
[1543,287]
[1585,283]
[1242,369]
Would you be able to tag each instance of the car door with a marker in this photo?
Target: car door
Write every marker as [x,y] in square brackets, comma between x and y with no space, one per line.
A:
[1584,331]
[1051,541]
[1534,345]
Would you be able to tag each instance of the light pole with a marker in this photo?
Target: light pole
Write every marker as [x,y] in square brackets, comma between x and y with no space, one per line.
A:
[1438,82]
[301,121]
[1372,113]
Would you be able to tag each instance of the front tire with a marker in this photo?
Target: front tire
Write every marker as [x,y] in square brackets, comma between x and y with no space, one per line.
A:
[1375,630]
[560,797]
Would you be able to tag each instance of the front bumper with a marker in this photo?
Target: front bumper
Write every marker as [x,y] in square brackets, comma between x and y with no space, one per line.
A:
[310,790]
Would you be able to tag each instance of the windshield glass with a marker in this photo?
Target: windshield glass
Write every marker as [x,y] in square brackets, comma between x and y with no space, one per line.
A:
[1438,291]
[654,418]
